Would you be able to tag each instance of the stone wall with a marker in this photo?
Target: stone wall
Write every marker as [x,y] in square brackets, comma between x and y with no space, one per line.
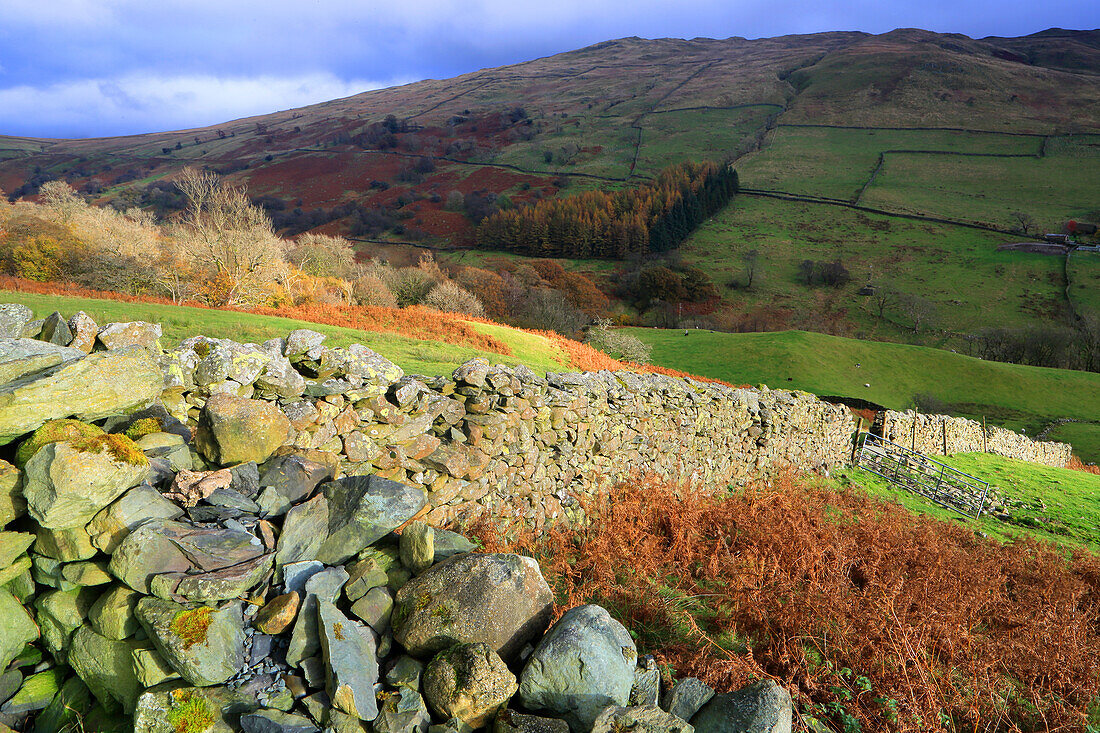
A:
[939,435]
[506,440]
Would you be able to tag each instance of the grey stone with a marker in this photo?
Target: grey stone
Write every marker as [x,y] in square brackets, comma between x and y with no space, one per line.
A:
[509,721]
[761,707]
[647,683]
[472,372]
[280,379]
[55,330]
[374,567]
[276,721]
[59,614]
[205,645]
[107,668]
[447,544]
[170,707]
[469,682]
[286,480]
[301,342]
[405,672]
[304,531]
[640,719]
[583,664]
[21,357]
[10,682]
[417,546]
[402,712]
[322,586]
[362,510]
[150,668]
[13,319]
[349,651]
[84,331]
[140,504]
[134,333]
[35,694]
[17,628]
[374,609]
[97,386]
[222,359]
[686,696]
[112,614]
[296,574]
[499,599]
[373,368]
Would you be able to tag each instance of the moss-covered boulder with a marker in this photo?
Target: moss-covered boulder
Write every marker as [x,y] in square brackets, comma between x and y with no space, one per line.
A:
[20,357]
[204,644]
[107,668]
[17,628]
[236,429]
[469,682]
[67,483]
[54,431]
[12,503]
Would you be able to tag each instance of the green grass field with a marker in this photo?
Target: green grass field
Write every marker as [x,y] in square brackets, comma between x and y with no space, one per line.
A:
[413,355]
[959,269]
[1083,269]
[1084,436]
[1006,394]
[1052,504]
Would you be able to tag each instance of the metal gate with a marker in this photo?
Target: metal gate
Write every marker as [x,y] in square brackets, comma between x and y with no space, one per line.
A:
[922,475]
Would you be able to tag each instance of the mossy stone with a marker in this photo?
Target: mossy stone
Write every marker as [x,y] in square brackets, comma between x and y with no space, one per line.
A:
[107,668]
[17,628]
[54,431]
[113,613]
[205,645]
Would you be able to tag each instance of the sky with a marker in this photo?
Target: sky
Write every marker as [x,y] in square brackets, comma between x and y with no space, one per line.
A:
[91,68]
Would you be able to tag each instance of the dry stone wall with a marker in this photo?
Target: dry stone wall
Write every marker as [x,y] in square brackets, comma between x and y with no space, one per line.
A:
[506,441]
[940,435]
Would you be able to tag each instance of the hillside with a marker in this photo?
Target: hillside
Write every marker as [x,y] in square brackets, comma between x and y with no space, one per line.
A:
[906,157]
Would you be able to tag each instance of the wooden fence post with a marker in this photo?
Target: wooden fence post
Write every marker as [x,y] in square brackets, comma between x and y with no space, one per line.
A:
[913,434]
[943,424]
[985,436]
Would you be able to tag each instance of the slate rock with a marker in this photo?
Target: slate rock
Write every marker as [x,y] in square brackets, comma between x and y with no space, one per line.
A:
[278,614]
[324,586]
[12,545]
[417,546]
[402,712]
[222,359]
[205,645]
[509,721]
[113,613]
[280,379]
[238,430]
[499,599]
[17,628]
[21,357]
[686,696]
[374,567]
[358,361]
[304,531]
[59,614]
[220,584]
[171,707]
[363,510]
[639,719]
[110,526]
[302,341]
[583,664]
[12,503]
[469,682]
[276,721]
[107,667]
[447,544]
[13,318]
[761,707]
[296,574]
[36,693]
[349,653]
[288,479]
[374,609]
[99,385]
[55,330]
[10,682]
[405,672]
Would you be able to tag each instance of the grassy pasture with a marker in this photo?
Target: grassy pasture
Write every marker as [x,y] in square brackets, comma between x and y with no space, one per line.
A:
[959,269]
[1083,269]
[1051,189]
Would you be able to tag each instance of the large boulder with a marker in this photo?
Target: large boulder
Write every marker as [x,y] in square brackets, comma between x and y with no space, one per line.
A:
[54,431]
[469,682]
[97,386]
[498,599]
[66,483]
[583,664]
[137,506]
[686,697]
[205,645]
[239,429]
[762,707]
[363,510]
[20,357]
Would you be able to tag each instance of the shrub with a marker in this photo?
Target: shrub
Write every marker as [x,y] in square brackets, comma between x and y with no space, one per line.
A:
[372,290]
[323,256]
[621,345]
[451,298]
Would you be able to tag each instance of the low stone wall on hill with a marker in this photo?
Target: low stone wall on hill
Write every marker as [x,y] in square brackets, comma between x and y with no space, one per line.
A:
[507,441]
[940,435]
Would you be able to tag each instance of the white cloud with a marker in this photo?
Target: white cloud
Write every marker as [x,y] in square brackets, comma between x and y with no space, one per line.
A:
[145,103]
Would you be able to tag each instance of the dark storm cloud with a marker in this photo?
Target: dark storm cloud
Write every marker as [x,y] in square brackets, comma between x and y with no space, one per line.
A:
[84,67]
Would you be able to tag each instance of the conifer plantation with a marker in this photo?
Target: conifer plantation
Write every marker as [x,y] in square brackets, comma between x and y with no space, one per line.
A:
[655,217]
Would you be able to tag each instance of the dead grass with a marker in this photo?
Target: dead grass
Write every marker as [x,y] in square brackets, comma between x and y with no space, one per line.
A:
[875,619]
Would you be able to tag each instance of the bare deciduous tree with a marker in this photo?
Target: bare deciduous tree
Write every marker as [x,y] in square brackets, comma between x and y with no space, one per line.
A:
[919,310]
[1024,221]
